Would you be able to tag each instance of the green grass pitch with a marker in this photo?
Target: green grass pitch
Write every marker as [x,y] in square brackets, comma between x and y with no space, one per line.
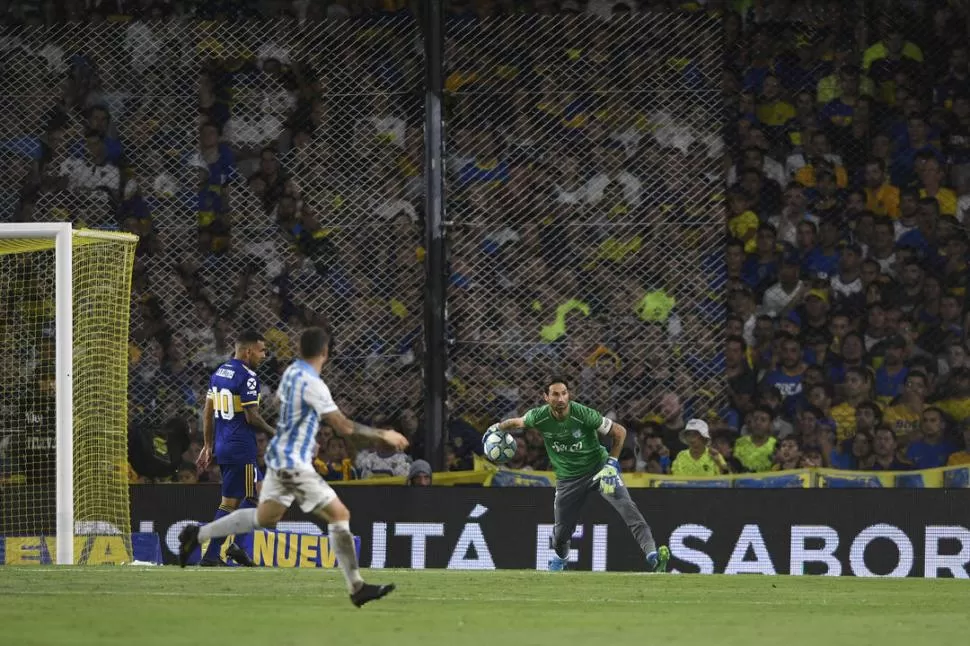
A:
[104,606]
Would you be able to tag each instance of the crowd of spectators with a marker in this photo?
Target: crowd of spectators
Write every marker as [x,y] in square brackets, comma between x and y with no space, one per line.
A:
[829,330]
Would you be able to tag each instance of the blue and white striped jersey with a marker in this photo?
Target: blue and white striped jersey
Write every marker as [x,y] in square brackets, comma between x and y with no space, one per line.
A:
[303,399]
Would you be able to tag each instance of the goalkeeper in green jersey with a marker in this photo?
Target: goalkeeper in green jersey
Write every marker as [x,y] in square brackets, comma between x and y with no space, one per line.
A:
[571,434]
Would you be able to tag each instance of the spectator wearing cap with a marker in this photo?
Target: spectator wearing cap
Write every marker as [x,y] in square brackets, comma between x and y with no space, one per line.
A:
[882,198]
[419,474]
[756,450]
[856,390]
[760,270]
[815,319]
[933,449]
[823,260]
[698,459]
[904,416]
[891,375]
[788,290]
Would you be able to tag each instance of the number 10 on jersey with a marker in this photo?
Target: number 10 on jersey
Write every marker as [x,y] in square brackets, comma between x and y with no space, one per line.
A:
[222,402]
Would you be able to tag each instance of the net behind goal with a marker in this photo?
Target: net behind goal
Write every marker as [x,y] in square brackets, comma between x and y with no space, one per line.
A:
[64,315]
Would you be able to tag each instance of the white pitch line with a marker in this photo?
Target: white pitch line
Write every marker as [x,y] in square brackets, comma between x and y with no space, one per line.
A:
[405,596]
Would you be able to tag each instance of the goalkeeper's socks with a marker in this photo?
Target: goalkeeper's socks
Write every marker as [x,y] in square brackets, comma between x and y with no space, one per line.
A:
[557,564]
[214,549]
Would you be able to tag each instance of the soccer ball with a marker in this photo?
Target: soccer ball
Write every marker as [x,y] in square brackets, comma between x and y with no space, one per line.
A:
[499,446]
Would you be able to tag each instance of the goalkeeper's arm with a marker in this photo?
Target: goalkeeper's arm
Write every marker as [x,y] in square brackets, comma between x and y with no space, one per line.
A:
[509,424]
[618,436]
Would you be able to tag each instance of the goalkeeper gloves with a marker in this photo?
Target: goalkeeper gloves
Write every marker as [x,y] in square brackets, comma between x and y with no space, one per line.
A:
[609,476]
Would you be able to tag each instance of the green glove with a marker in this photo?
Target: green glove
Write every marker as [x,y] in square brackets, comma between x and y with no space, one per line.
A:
[609,476]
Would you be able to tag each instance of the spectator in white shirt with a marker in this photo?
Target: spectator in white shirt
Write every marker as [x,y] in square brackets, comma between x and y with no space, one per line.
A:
[816,145]
[792,214]
[883,245]
[94,173]
[786,291]
[753,157]
[848,282]
[610,162]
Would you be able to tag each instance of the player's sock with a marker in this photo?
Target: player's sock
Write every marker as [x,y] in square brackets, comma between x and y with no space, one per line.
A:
[214,549]
[238,522]
[343,545]
[245,540]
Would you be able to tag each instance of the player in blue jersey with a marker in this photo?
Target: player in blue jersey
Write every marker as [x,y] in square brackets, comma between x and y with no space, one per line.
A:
[305,402]
[229,424]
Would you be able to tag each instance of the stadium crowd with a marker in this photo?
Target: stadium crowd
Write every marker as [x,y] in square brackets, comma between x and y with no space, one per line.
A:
[835,311]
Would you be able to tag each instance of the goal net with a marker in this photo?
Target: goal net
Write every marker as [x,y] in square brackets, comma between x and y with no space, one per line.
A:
[64,315]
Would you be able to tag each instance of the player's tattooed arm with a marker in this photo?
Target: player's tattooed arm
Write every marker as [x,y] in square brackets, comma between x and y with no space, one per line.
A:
[344,426]
[512,422]
[255,419]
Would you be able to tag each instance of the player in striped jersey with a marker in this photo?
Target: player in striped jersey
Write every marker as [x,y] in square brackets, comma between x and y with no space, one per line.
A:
[305,401]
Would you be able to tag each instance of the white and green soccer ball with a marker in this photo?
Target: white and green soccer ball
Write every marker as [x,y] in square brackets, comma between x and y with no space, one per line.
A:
[499,446]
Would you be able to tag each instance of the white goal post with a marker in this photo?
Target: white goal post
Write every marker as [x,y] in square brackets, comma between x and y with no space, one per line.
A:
[37,238]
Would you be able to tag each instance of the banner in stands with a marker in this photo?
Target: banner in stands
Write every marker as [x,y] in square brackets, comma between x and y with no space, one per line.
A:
[864,532]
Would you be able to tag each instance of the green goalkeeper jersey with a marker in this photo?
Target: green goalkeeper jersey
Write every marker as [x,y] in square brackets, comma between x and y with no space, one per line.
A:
[573,444]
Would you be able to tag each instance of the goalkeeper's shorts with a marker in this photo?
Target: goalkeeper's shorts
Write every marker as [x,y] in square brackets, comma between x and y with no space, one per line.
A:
[239,480]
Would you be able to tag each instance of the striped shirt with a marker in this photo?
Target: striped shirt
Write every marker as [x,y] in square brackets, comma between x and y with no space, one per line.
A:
[303,399]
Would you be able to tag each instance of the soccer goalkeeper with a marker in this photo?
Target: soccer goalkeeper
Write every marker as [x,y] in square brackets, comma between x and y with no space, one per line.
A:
[570,431]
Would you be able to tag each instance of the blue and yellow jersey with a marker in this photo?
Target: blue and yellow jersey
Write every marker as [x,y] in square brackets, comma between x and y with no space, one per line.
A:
[233,387]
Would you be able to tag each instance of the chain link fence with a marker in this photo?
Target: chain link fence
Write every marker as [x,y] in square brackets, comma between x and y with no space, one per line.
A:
[584,186]
[272,169]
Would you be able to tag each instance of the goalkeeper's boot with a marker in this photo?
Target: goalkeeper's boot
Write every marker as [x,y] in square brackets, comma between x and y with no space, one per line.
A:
[557,564]
[369,592]
[657,561]
[239,555]
[188,542]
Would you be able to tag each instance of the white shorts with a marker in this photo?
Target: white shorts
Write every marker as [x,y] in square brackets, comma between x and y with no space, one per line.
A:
[303,485]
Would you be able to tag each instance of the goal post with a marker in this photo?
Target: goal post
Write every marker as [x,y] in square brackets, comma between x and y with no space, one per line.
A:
[64,326]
